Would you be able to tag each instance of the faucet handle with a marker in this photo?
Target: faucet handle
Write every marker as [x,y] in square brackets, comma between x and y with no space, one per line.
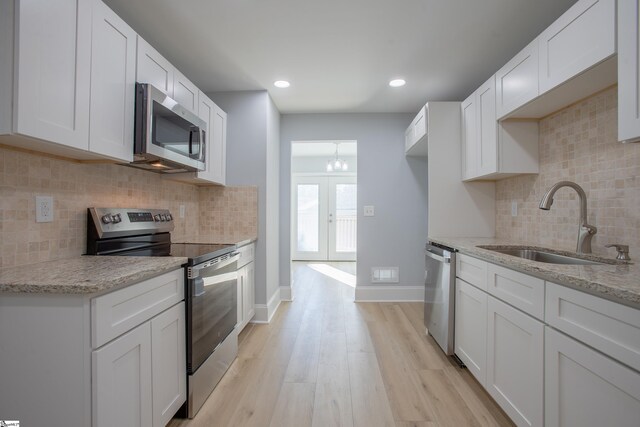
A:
[623,251]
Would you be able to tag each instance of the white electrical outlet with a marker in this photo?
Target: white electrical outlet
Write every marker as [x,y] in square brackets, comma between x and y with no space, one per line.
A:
[182,211]
[369,211]
[44,209]
[514,208]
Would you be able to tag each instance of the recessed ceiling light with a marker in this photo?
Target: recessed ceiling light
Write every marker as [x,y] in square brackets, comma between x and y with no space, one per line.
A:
[281,84]
[397,83]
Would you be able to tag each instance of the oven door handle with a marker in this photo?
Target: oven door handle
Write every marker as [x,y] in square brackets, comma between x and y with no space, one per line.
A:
[200,283]
[216,264]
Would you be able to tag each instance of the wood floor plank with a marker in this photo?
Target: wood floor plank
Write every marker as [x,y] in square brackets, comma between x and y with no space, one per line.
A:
[423,353]
[332,406]
[408,400]
[449,407]
[294,407]
[416,424]
[303,364]
[368,395]
[486,411]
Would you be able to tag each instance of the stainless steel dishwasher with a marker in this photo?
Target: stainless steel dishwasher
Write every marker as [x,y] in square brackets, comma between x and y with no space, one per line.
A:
[439,294]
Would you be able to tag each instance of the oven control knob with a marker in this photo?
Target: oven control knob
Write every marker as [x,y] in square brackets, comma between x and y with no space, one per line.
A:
[156,218]
[162,217]
[106,219]
[116,218]
[169,217]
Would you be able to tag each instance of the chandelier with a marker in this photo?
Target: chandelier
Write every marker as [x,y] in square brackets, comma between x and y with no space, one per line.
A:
[336,164]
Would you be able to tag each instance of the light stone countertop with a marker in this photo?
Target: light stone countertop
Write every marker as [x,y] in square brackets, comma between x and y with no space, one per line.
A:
[84,274]
[618,282]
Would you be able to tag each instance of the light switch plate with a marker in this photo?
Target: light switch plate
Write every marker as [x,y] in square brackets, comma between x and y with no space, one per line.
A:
[369,211]
[514,208]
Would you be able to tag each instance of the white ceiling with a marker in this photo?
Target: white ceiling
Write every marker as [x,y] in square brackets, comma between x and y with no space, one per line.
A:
[339,55]
[324,148]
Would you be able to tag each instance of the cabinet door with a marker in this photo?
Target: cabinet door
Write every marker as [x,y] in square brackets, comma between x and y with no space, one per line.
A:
[469,137]
[240,307]
[515,362]
[487,156]
[168,363]
[113,79]
[218,146]
[53,71]
[517,81]
[585,388]
[215,140]
[153,68]
[582,37]
[121,380]
[471,328]
[248,292]
[629,70]
[185,93]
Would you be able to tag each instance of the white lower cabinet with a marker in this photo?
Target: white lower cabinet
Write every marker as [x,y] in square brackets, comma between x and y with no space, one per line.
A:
[586,388]
[139,379]
[515,362]
[122,380]
[246,285]
[471,328]
[168,362]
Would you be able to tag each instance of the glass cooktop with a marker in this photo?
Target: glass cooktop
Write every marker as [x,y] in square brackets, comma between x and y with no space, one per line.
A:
[200,252]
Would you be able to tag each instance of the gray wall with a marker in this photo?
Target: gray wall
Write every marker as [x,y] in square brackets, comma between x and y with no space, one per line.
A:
[247,161]
[394,184]
[319,164]
[273,202]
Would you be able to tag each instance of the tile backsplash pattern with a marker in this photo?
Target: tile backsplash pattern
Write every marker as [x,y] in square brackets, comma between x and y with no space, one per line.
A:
[577,144]
[77,186]
[228,214]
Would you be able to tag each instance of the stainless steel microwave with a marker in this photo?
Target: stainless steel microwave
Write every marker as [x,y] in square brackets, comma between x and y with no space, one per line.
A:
[168,137]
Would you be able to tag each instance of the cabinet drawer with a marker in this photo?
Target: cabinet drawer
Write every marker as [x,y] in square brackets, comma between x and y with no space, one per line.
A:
[472,270]
[247,254]
[520,290]
[607,326]
[117,312]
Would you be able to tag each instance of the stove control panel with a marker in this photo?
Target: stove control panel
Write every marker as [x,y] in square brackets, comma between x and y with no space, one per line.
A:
[115,222]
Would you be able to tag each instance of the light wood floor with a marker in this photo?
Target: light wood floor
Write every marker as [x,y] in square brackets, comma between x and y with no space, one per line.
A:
[327,361]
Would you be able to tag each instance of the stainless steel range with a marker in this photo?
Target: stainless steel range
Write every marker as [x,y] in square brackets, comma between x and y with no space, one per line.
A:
[211,288]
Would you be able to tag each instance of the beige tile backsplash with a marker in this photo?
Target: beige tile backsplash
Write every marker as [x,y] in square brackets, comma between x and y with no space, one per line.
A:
[577,144]
[77,186]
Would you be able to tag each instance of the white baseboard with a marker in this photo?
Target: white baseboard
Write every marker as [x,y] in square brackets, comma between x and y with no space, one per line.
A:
[389,294]
[265,312]
[286,293]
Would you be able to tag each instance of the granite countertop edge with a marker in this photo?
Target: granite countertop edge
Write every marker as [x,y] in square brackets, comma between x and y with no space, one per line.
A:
[617,282]
[84,274]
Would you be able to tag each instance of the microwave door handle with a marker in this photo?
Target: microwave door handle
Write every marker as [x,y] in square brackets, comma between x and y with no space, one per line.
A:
[203,145]
[190,142]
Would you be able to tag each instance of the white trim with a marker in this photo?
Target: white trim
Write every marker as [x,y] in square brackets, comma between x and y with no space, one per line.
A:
[265,312]
[389,294]
[286,293]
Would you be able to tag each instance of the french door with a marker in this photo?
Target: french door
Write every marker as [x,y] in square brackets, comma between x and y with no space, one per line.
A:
[324,218]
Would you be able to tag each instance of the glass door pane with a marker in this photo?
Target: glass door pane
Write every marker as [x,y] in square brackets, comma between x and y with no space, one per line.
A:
[346,232]
[308,216]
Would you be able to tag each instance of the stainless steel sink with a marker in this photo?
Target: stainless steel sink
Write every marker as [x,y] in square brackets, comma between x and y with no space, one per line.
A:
[543,256]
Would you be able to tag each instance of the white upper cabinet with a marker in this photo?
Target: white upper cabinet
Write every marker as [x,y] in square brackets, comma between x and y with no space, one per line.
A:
[582,37]
[53,61]
[517,81]
[491,149]
[185,93]
[113,78]
[216,142]
[487,161]
[415,137]
[153,68]
[469,137]
[629,71]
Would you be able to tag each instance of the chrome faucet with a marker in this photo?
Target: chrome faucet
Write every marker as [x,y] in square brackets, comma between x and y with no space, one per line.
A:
[586,231]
